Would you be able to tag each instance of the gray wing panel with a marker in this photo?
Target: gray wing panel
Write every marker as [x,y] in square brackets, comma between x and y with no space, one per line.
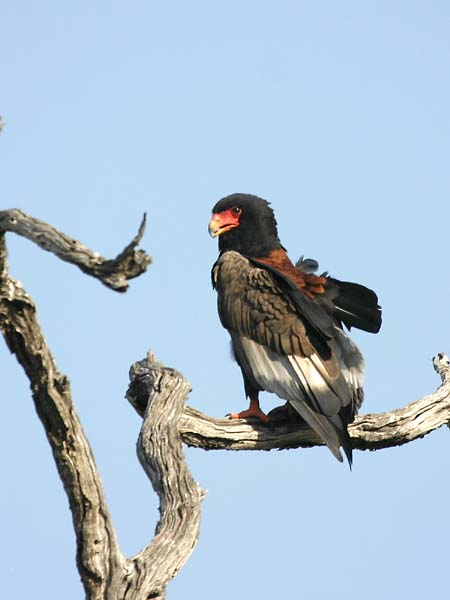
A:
[296,380]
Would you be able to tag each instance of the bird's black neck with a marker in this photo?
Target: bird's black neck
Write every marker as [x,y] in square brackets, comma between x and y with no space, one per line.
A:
[248,245]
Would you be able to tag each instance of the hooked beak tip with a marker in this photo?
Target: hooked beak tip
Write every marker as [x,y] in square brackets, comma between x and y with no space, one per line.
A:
[213,229]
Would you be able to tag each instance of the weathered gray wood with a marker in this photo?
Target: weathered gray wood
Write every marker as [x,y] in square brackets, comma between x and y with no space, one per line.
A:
[368,432]
[161,454]
[114,273]
[98,552]
[105,572]
[159,395]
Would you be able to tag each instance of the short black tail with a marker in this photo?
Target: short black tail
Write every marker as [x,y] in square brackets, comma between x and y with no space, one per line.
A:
[356,306]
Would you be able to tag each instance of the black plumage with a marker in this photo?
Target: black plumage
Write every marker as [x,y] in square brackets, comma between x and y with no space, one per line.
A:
[285,322]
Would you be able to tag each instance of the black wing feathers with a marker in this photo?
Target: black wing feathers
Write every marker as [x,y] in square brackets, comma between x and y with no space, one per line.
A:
[356,306]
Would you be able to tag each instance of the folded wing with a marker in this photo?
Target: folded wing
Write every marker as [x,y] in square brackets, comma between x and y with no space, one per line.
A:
[303,357]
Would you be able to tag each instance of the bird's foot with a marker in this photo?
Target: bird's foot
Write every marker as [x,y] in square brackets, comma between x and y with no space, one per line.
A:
[253,411]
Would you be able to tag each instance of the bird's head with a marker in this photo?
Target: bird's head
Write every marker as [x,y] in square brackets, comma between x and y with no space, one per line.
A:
[246,224]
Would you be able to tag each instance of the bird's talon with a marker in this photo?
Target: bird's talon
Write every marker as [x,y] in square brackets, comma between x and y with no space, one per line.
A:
[248,414]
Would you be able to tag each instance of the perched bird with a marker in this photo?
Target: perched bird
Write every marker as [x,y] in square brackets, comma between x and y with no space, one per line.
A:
[286,322]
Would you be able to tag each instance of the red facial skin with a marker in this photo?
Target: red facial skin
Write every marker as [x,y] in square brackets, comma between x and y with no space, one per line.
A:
[224,221]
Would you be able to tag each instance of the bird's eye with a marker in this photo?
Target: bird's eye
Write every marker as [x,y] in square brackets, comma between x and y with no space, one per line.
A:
[236,210]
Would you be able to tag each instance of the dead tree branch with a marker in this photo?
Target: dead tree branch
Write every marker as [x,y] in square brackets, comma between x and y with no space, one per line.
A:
[161,454]
[114,273]
[368,432]
[105,572]
[159,395]
[97,549]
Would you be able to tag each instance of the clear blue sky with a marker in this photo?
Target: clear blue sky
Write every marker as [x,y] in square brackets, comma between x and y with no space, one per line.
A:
[336,112]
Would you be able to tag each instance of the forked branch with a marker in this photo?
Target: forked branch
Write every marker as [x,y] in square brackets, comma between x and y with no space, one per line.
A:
[114,273]
[159,395]
[368,432]
[105,572]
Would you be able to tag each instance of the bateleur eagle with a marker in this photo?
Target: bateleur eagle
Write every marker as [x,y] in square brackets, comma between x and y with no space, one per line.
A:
[286,322]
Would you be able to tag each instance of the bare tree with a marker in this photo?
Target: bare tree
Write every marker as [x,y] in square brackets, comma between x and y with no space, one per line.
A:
[159,395]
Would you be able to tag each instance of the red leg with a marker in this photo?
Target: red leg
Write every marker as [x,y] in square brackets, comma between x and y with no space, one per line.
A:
[253,411]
